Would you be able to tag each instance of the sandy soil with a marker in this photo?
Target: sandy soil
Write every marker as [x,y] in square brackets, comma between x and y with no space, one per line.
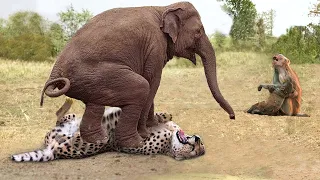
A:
[251,147]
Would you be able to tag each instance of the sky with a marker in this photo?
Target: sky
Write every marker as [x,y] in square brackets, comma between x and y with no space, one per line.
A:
[288,12]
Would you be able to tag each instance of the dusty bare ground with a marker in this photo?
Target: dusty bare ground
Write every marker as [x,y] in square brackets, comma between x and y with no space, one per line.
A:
[251,147]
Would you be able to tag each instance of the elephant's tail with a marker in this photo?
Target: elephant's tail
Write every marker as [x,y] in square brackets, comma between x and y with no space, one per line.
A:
[63,84]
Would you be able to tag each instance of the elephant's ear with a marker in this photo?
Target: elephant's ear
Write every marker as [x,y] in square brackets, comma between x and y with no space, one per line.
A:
[171,23]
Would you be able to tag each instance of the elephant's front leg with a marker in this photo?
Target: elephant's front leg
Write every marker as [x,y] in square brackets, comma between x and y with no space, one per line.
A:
[151,121]
[145,118]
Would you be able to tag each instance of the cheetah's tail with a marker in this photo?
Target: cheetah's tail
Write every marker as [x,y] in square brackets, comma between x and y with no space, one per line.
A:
[36,156]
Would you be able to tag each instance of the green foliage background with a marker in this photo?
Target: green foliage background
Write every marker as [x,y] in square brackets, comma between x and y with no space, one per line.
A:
[243,14]
[27,36]
[301,44]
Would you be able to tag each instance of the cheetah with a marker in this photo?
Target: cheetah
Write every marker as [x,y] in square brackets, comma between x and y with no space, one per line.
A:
[64,140]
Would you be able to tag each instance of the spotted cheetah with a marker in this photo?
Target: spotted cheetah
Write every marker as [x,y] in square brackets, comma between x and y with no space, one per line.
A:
[64,140]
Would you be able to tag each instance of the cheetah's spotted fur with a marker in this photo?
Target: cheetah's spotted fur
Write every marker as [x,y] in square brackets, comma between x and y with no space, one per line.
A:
[64,141]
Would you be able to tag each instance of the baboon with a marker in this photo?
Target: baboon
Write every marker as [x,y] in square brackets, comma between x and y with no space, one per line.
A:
[285,91]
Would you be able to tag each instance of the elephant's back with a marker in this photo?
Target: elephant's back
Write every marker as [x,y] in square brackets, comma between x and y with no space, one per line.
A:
[117,34]
[112,37]
[121,23]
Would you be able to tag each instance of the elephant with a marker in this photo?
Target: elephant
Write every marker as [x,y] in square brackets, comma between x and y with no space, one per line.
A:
[116,59]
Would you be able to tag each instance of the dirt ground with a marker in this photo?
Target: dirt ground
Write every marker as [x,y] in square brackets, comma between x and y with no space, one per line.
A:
[251,147]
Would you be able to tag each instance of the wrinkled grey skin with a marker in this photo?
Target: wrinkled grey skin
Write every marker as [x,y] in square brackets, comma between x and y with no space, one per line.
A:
[116,59]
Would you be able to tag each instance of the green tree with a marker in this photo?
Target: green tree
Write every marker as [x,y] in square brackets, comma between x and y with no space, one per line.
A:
[243,14]
[268,18]
[25,37]
[261,33]
[2,37]
[2,25]
[313,41]
[56,35]
[301,43]
[315,10]
[71,20]
[26,22]
[219,39]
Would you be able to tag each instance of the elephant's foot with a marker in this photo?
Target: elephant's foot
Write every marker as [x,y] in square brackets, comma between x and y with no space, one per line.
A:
[134,141]
[97,135]
[152,122]
[143,132]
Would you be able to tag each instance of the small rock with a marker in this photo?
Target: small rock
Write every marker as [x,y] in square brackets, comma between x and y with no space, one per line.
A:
[153,169]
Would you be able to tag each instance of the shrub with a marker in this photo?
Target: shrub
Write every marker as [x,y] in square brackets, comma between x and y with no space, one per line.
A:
[24,36]
[301,44]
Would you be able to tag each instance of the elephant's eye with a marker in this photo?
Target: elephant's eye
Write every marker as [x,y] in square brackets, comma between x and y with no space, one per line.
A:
[199,32]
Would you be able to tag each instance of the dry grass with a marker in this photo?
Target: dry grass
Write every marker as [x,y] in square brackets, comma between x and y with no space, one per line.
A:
[251,146]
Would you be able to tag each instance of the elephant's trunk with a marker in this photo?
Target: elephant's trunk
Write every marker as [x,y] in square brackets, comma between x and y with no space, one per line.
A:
[205,50]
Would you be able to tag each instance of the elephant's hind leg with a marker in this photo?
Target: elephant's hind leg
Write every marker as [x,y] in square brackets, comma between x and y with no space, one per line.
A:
[130,92]
[91,129]
[126,131]
[118,87]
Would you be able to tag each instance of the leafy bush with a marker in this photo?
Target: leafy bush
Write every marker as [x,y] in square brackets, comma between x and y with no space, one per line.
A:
[57,38]
[301,44]
[219,40]
[184,63]
[24,36]
[71,20]
[243,14]
[28,36]
[26,47]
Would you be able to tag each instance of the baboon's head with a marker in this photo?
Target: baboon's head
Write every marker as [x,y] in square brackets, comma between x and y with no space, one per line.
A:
[280,61]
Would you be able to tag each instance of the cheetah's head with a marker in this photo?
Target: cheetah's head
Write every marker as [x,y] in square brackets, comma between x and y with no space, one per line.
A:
[184,146]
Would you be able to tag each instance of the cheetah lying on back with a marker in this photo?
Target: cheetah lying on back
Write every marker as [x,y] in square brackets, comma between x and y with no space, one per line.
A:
[64,141]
